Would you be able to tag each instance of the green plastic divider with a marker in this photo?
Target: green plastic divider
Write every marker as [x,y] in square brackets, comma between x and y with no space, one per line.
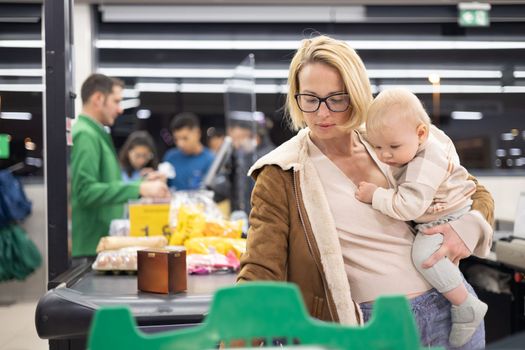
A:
[255,312]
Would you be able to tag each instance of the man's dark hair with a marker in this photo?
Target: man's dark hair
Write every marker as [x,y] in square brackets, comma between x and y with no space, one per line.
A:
[98,83]
[184,120]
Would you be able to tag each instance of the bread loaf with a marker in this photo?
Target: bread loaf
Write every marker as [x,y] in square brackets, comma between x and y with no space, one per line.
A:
[117,242]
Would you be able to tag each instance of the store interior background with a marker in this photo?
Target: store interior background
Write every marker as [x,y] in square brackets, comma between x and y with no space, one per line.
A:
[189,77]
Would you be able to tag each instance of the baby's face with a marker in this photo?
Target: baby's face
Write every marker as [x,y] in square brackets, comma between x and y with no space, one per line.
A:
[396,144]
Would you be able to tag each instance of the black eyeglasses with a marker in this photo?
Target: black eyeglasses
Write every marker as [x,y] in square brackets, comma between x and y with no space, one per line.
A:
[338,102]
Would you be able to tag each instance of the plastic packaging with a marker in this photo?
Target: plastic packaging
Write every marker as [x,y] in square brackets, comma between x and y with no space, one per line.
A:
[166,169]
[124,259]
[203,264]
[221,245]
[119,227]
[115,242]
[194,214]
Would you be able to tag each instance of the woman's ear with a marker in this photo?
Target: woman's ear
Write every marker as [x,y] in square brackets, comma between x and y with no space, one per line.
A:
[422,132]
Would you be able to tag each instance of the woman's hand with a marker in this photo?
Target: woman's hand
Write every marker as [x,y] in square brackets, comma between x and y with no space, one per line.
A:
[155,176]
[154,189]
[146,171]
[365,192]
[453,246]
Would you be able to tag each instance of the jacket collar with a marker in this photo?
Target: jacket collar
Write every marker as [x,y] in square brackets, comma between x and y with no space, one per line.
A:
[98,128]
[289,155]
[91,122]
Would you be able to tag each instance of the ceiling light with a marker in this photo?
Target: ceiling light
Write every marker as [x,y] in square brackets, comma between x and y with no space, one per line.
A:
[233,14]
[514,89]
[143,114]
[208,88]
[131,103]
[283,88]
[203,88]
[434,78]
[196,72]
[463,115]
[22,43]
[157,87]
[16,115]
[130,93]
[22,87]
[167,72]
[197,44]
[394,45]
[20,72]
[449,89]
[515,152]
[501,152]
[425,73]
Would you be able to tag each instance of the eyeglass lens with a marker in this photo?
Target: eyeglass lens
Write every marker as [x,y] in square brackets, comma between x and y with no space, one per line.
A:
[335,103]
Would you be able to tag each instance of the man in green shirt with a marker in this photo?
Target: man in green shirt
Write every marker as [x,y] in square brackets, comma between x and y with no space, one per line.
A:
[98,192]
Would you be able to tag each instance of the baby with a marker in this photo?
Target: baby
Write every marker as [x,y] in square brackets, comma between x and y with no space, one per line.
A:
[431,188]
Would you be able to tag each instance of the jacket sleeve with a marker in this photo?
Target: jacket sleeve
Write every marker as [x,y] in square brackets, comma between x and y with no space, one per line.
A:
[86,186]
[476,227]
[267,242]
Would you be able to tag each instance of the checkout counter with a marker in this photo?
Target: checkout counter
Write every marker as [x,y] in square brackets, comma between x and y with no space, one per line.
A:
[64,313]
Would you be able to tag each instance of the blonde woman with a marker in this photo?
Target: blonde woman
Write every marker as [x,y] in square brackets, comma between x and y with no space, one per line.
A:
[306,226]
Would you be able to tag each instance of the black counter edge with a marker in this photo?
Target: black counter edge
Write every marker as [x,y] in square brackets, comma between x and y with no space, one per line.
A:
[70,276]
[58,318]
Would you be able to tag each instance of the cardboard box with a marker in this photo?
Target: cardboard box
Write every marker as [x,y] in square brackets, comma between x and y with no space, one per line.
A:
[162,270]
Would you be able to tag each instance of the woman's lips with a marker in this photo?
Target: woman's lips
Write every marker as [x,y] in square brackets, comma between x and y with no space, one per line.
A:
[324,126]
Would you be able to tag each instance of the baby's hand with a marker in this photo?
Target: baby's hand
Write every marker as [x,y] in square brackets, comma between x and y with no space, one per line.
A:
[365,192]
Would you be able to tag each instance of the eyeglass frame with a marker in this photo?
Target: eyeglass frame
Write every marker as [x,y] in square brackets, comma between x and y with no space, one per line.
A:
[147,157]
[321,100]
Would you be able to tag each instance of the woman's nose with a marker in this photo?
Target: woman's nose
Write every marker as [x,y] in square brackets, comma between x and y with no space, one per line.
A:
[323,109]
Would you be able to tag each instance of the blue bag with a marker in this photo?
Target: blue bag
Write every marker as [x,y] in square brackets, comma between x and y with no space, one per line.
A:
[14,205]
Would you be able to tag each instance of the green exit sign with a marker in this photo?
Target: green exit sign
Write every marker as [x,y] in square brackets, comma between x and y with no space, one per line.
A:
[473,14]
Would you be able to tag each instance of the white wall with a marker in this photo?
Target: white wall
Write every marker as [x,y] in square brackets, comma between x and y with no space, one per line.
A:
[83,51]
[506,191]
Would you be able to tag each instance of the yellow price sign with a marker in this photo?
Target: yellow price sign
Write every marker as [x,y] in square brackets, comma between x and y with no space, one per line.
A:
[149,220]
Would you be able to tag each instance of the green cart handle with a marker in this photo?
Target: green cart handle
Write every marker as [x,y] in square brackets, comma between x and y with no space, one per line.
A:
[271,313]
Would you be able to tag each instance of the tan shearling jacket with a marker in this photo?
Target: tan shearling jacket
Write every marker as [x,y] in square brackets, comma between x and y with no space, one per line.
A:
[292,235]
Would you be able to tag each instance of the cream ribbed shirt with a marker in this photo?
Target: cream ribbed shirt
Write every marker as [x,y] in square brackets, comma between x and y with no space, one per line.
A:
[376,248]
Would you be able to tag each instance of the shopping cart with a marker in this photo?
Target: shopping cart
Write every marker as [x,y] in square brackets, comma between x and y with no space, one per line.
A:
[261,314]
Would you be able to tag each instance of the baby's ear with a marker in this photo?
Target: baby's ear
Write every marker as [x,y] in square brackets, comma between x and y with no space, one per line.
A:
[422,132]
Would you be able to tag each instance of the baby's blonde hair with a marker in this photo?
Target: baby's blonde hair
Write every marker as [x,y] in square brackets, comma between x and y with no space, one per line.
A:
[400,101]
[338,55]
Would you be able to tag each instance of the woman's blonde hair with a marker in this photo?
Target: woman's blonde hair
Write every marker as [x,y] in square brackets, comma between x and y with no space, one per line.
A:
[338,55]
[399,102]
